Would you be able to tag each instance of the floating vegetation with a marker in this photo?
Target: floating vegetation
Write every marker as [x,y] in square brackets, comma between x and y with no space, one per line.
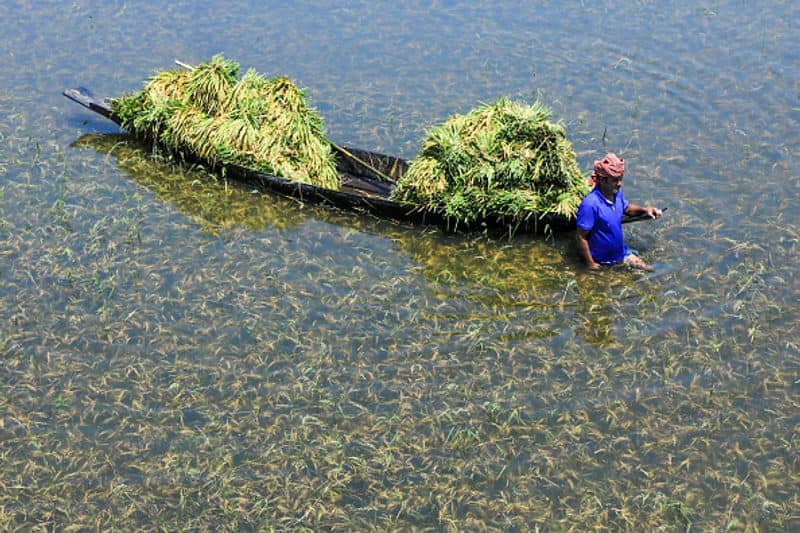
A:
[260,123]
[500,160]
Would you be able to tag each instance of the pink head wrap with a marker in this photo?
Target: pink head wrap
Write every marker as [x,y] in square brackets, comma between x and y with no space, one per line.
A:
[610,166]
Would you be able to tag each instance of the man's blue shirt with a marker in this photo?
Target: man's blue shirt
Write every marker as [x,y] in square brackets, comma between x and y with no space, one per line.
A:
[603,220]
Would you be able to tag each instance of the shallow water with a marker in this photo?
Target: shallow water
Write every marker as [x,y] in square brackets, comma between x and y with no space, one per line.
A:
[182,352]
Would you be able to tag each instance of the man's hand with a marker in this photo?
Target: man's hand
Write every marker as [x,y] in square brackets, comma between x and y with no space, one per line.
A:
[582,236]
[636,210]
[652,212]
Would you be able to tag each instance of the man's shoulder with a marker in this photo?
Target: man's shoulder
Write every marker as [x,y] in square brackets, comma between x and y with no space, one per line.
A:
[590,199]
[587,212]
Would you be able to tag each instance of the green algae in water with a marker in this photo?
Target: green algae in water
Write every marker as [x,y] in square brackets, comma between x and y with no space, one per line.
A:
[264,124]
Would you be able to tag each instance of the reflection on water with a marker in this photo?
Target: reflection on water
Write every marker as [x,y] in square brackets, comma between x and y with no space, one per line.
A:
[531,279]
[178,352]
[204,197]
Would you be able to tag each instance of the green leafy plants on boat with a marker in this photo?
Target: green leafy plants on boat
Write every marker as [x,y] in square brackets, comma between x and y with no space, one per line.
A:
[499,160]
[252,121]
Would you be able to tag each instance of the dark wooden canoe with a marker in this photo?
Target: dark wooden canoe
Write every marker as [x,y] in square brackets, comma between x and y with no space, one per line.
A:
[363,189]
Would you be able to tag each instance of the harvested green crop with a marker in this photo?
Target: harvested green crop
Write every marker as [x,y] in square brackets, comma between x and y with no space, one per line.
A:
[265,124]
[504,160]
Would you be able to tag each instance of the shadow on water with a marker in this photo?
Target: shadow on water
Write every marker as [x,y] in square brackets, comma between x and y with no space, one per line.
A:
[513,268]
[520,287]
[214,203]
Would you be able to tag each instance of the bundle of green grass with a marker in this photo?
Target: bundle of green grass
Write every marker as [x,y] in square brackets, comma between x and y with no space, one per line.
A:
[503,160]
[265,124]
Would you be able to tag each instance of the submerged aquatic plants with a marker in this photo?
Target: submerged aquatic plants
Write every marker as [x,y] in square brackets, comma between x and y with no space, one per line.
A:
[261,123]
[500,160]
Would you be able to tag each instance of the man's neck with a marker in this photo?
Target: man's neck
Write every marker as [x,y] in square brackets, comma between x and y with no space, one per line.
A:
[608,195]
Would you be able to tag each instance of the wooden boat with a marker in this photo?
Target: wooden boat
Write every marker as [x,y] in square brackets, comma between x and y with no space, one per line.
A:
[365,187]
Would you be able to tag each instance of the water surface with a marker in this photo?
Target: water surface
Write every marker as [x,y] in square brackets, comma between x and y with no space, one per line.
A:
[180,352]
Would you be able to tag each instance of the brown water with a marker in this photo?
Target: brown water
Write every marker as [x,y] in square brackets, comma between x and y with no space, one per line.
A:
[180,352]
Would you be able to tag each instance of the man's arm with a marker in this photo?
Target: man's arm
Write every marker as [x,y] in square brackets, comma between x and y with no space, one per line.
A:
[634,210]
[582,237]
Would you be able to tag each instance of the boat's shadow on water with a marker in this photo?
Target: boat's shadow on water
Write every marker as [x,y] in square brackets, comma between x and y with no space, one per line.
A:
[515,272]
[215,203]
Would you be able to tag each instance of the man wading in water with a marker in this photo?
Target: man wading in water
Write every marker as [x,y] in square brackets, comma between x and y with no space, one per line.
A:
[600,218]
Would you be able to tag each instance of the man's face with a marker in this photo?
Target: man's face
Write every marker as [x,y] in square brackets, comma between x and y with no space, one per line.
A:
[610,186]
